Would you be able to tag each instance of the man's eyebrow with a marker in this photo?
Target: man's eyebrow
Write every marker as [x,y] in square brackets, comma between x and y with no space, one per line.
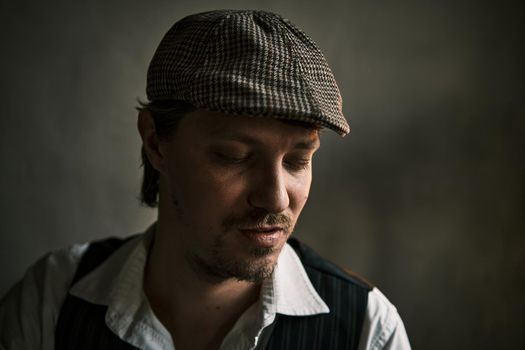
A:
[249,140]
[229,136]
[307,145]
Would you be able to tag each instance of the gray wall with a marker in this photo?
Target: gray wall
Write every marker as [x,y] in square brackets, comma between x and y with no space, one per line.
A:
[425,197]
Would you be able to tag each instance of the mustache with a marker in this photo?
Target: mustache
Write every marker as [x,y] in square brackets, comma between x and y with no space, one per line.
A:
[258,220]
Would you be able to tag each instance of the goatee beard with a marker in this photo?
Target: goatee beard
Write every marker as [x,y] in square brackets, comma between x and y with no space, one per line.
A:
[220,267]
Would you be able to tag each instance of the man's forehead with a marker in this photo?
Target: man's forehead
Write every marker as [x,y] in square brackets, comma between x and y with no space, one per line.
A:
[307,141]
[254,130]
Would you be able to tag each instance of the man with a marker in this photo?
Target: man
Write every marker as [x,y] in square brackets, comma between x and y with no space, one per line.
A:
[236,102]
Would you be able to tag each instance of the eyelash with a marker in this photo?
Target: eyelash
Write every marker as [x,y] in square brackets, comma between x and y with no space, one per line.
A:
[231,159]
[298,165]
[294,165]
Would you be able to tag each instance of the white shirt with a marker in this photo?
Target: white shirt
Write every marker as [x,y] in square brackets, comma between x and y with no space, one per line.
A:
[29,312]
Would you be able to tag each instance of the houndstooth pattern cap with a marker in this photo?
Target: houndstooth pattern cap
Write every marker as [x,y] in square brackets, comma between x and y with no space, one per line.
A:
[246,62]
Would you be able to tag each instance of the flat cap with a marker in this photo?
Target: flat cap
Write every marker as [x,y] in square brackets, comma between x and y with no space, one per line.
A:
[246,62]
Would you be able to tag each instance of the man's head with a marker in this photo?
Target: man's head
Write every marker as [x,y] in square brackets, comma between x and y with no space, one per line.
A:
[236,102]
[232,187]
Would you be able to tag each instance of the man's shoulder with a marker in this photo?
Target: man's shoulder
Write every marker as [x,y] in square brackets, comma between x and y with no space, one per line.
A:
[56,267]
[54,271]
[97,252]
[65,262]
[382,327]
[318,265]
[29,309]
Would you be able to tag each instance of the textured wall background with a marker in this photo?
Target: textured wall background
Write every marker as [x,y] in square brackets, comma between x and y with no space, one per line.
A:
[425,197]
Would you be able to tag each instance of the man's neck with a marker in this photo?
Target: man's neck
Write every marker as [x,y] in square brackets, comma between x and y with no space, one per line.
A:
[188,304]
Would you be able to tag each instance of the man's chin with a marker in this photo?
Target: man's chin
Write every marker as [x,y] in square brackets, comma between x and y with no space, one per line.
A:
[255,267]
[256,273]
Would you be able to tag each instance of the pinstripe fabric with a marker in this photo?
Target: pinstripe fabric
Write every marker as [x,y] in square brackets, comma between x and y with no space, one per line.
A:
[246,62]
[345,295]
[81,325]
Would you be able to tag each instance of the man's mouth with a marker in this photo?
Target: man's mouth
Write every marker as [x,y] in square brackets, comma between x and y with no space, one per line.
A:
[266,236]
[261,229]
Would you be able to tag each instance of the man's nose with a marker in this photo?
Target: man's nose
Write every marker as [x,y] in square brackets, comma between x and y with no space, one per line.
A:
[269,190]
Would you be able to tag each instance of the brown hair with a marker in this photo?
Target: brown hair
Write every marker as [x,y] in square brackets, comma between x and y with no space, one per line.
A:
[166,116]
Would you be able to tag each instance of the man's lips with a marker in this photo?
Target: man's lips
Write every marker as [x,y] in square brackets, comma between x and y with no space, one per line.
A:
[261,230]
[263,236]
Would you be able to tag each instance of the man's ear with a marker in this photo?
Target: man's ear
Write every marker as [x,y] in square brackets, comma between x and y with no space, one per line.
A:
[150,139]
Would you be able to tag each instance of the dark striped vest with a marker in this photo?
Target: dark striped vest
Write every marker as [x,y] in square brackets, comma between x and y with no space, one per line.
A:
[81,325]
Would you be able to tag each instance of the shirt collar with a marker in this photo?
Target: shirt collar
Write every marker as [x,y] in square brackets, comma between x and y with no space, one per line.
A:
[288,292]
[294,294]
[118,284]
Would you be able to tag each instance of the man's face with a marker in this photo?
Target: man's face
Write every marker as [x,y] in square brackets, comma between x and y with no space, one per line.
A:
[233,188]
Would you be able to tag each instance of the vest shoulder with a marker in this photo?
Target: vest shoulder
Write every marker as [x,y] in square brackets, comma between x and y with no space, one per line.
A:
[96,253]
[315,264]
